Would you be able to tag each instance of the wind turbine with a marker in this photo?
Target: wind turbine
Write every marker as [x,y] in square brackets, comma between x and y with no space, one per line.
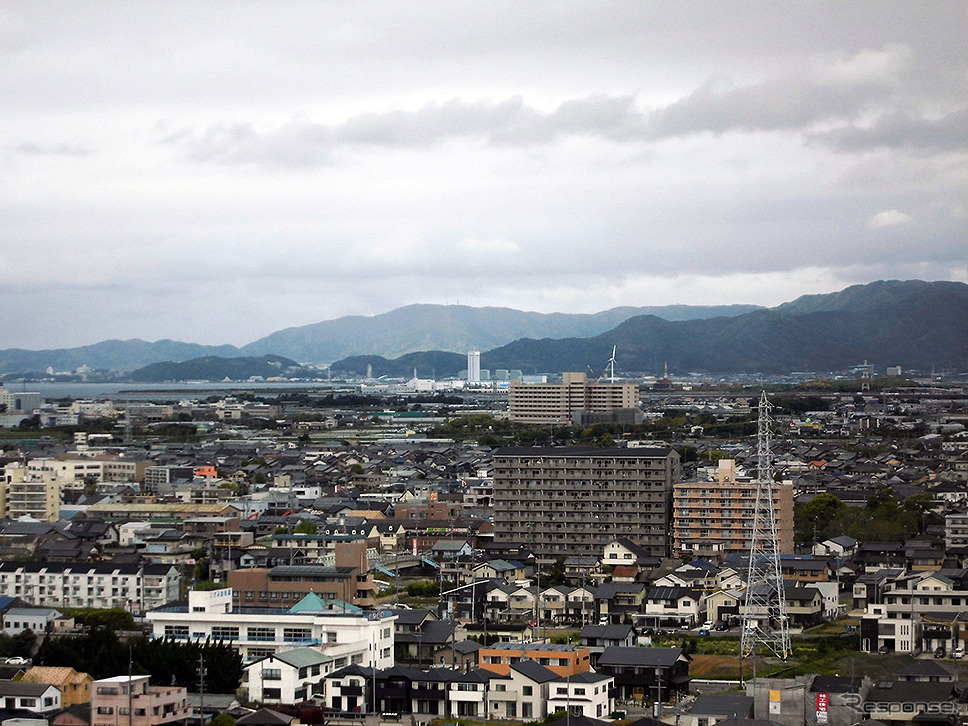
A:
[609,368]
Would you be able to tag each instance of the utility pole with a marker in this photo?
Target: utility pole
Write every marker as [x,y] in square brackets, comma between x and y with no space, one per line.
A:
[130,685]
[201,683]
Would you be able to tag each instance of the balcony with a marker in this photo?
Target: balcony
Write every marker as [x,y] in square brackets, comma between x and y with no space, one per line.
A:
[428,693]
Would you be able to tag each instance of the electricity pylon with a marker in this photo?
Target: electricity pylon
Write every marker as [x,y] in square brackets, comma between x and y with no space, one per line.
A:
[765,617]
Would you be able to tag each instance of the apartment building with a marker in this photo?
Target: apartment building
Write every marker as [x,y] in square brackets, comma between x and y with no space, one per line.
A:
[715,518]
[157,477]
[135,588]
[572,501]
[558,403]
[283,586]
[955,530]
[74,472]
[130,701]
[29,493]
[363,637]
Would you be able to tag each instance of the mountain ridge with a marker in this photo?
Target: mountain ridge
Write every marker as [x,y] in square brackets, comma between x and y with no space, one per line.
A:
[392,335]
[914,324]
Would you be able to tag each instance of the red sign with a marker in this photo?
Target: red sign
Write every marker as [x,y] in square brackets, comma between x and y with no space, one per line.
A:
[821,702]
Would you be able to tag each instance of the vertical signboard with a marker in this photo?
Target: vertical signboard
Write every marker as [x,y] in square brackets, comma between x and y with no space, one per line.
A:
[774,701]
[822,701]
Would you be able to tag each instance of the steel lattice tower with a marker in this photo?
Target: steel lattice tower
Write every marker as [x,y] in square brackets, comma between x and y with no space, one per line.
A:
[765,621]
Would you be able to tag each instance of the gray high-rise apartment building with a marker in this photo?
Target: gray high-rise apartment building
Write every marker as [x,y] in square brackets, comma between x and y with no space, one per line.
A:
[574,501]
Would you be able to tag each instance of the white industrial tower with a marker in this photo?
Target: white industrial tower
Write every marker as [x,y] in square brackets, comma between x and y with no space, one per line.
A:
[473,366]
[765,618]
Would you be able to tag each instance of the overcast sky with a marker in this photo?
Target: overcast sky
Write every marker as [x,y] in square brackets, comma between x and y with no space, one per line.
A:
[215,171]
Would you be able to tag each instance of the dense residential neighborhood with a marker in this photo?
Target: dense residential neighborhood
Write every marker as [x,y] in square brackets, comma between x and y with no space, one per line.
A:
[357,572]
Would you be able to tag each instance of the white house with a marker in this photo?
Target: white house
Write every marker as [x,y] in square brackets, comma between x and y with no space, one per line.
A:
[36,620]
[522,694]
[583,694]
[289,676]
[41,698]
[467,694]
[349,689]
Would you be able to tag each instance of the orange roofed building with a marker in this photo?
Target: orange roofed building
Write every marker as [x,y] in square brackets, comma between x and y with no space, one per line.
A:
[565,660]
[75,687]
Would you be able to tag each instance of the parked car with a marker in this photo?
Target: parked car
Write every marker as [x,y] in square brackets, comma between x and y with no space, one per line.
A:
[883,649]
[958,653]
[939,652]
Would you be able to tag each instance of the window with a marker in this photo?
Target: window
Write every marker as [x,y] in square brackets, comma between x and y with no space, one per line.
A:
[272,674]
[500,687]
[526,711]
[263,634]
[225,632]
[292,635]
[579,691]
[105,710]
[176,631]
[527,690]
[272,694]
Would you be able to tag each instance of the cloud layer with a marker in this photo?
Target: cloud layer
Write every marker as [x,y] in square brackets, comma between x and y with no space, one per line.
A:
[213,177]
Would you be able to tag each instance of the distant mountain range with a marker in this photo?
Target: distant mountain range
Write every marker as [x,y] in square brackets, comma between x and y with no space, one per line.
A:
[214,368]
[408,329]
[122,355]
[913,324]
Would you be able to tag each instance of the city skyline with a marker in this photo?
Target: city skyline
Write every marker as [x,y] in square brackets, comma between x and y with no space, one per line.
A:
[213,176]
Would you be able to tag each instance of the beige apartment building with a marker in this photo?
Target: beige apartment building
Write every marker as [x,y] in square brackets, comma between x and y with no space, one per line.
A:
[574,501]
[713,518]
[27,493]
[557,403]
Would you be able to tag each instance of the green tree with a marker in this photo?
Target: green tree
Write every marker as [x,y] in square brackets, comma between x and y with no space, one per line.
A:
[305,526]
[818,517]
[223,719]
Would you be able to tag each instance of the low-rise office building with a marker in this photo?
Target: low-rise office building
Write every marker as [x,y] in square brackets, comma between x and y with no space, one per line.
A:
[344,634]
